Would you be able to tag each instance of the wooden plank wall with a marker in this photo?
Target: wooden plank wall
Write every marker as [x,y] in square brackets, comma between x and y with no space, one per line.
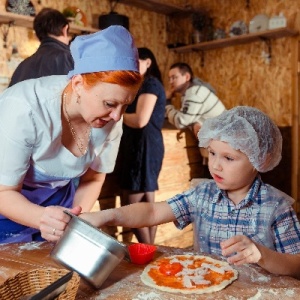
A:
[240,74]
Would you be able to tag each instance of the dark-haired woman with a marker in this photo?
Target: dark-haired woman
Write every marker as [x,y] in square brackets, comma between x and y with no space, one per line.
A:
[142,147]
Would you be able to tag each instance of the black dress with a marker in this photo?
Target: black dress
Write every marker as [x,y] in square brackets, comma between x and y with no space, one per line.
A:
[142,149]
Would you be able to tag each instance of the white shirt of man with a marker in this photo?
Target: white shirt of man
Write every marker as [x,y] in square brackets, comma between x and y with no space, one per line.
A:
[197,104]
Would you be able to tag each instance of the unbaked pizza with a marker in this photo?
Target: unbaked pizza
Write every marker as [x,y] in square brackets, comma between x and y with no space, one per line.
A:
[188,274]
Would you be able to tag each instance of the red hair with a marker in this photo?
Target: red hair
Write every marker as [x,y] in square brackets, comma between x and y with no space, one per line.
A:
[128,79]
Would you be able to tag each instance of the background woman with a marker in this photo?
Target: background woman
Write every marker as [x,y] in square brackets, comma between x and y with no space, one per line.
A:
[142,148]
[57,128]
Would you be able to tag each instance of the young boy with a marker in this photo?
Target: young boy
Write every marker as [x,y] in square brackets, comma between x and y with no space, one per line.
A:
[235,214]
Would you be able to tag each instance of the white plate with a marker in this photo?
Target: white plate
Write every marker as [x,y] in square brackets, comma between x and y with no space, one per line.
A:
[238,28]
[259,23]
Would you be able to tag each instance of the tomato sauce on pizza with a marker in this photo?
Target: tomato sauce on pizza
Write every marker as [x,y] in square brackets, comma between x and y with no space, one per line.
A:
[189,274]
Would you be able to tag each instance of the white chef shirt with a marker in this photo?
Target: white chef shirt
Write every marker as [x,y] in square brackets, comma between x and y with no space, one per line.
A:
[30,137]
[197,104]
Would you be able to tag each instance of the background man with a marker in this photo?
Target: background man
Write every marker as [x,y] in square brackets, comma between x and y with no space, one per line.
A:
[53,56]
[198,99]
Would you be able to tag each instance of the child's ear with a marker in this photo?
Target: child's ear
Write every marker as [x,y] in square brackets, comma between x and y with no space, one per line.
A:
[267,161]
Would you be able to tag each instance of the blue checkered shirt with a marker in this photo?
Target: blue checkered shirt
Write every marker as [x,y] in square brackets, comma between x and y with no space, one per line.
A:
[265,215]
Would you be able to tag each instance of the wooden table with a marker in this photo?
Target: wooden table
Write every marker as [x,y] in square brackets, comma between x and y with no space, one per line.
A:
[124,283]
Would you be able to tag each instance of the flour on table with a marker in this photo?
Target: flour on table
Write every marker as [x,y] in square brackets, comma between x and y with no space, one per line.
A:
[258,277]
[290,293]
[147,296]
[189,253]
[30,246]
[3,272]
[18,250]
[256,296]
[270,293]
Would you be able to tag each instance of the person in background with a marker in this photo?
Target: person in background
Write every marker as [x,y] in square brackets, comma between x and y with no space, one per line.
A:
[142,149]
[57,128]
[53,57]
[198,99]
[235,214]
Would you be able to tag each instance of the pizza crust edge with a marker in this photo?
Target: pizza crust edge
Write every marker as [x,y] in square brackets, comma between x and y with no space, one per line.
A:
[147,280]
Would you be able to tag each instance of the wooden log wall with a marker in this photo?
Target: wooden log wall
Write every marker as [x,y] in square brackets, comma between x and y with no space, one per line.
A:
[240,74]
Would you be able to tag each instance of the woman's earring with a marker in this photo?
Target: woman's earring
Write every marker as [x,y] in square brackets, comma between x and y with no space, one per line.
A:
[78,99]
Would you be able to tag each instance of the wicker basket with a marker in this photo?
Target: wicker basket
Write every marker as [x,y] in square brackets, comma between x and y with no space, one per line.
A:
[31,282]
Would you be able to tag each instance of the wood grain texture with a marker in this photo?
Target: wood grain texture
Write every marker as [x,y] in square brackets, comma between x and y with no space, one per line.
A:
[240,74]
[124,282]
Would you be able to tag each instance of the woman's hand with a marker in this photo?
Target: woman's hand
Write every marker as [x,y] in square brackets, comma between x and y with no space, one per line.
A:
[241,250]
[54,221]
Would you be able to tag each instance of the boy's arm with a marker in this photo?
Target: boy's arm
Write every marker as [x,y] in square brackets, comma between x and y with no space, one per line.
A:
[279,263]
[242,250]
[133,216]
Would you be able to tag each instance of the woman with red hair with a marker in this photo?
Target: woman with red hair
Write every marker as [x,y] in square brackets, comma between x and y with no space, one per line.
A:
[57,128]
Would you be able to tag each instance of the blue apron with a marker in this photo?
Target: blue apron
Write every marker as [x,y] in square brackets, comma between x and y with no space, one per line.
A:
[12,232]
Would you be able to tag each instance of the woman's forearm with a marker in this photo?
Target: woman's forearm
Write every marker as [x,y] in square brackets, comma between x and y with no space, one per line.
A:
[88,191]
[144,110]
[14,206]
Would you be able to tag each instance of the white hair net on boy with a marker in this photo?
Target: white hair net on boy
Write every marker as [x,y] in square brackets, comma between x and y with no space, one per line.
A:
[249,130]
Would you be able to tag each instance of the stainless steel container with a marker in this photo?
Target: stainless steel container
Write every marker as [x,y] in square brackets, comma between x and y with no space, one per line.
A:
[88,251]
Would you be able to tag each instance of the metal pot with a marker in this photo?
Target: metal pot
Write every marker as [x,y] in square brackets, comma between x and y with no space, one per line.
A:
[88,251]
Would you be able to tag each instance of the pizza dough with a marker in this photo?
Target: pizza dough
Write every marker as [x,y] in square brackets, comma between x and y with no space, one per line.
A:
[188,274]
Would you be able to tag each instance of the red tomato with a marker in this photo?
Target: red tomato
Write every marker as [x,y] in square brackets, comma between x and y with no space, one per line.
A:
[170,269]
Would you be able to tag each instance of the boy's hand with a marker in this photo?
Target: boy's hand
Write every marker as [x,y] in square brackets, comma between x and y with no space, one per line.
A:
[241,250]
[96,218]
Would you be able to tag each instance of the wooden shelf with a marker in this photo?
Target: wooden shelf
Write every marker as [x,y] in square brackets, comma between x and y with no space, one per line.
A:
[76,29]
[27,22]
[158,6]
[238,40]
